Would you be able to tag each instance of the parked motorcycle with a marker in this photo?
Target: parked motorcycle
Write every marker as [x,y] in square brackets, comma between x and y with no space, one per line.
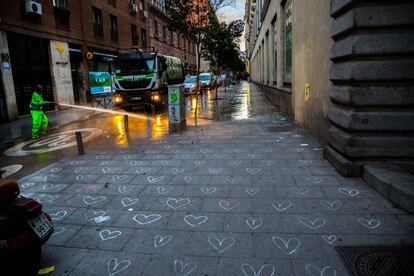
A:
[24,228]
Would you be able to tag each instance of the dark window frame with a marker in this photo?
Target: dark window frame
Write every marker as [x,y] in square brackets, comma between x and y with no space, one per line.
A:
[97,22]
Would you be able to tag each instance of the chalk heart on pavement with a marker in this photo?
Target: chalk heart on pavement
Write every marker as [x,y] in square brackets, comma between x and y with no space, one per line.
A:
[251,190]
[134,163]
[369,223]
[253,171]
[119,178]
[227,205]
[208,190]
[332,205]
[155,179]
[175,203]
[177,170]
[51,186]
[89,200]
[143,219]
[329,238]
[123,189]
[58,215]
[142,170]
[233,179]
[108,234]
[281,206]
[160,240]
[221,244]
[300,190]
[235,162]
[316,271]
[58,230]
[126,202]
[26,185]
[264,270]
[312,224]
[114,266]
[164,189]
[199,163]
[288,246]
[215,170]
[268,162]
[193,221]
[315,179]
[184,269]
[349,191]
[305,162]
[254,223]
[91,215]
[190,179]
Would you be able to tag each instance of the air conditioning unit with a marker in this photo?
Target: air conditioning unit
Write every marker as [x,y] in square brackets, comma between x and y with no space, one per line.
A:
[33,7]
[133,8]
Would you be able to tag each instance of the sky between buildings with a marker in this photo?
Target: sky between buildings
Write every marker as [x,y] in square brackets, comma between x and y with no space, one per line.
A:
[234,12]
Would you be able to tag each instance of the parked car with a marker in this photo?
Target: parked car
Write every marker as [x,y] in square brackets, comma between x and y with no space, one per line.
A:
[190,84]
[206,80]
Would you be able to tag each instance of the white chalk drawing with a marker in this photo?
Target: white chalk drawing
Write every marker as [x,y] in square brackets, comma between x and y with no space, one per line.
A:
[177,170]
[221,245]
[349,191]
[47,198]
[288,246]
[194,221]
[78,169]
[142,170]
[268,162]
[190,179]
[160,240]
[251,190]
[123,189]
[315,179]
[299,190]
[182,269]
[171,146]
[143,219]
[27,185]
[55,170]
[254,223]
[134,163]
[126,202]
[235,162]
[264,270]
[253,171]
[268,150]
[227,205]
[109,235]
[58,230]
[292,170]
[369,223]
[199,163]
[50,186]
[114,266]
[305,162]
[219,156]
[184,156]
[281,206]
[152,151]
[331,205]
[313,270]
[312,224]
[103,156]
[163,190]
[155,179]
[208,190]
[7,171]
[329,238]
[233,179]
[215,170]
[77,162]
[58,215]
[79,177]
[96,216]
[251,155]
[205,150]
[89,200]
[175,203]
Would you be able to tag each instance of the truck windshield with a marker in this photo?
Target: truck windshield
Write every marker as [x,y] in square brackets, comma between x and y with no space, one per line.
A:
[135,67]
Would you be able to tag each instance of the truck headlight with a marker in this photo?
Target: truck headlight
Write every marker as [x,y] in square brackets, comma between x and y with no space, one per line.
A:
[118,99]
[155,97]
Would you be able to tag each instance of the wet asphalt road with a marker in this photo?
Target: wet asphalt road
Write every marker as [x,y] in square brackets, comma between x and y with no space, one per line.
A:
[237,103]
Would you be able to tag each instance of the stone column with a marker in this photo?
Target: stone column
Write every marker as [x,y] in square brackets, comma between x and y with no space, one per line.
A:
[7,78]
[372,78]
[61,72]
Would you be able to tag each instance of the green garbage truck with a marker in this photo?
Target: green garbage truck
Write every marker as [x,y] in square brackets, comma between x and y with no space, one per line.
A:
[141,78]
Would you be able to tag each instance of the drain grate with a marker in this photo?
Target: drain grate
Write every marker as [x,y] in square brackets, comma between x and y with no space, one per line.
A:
[378,260]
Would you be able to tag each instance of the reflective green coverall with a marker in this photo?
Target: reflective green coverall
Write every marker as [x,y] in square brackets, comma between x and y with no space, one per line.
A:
[39,118]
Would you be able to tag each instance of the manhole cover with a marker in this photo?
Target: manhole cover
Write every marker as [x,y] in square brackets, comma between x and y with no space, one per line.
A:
[378,261]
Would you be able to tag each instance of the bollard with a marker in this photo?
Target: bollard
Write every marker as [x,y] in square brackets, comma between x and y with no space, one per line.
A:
[126,123]
[79,142]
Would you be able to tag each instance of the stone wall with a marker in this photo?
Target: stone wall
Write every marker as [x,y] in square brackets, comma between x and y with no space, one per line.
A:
[372,84]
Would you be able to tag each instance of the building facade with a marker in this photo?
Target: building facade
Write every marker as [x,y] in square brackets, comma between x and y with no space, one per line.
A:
[45,42]
[168,41]
[343,69]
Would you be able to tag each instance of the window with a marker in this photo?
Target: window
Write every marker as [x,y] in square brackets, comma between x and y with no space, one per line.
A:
[171,37]
[164,33]
[178,40]
[155,28]
[113,25]
[274,28]
[112,3]
[134,35]
[142,5]
[144,38]
[97,22]
[287,42]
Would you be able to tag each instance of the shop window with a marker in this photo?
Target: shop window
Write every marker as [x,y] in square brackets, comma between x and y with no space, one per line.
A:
[112,3]
[113,25]
[287,42]
[134,35]
[97,22]
[144,38]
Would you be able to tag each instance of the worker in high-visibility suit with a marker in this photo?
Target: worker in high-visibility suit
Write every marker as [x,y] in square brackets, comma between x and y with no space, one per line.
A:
[39,118]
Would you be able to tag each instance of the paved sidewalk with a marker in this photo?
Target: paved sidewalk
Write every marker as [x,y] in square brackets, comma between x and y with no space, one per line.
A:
[246,197]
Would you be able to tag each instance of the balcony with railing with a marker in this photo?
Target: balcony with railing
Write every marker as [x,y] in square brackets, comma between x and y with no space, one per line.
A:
[158,4]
